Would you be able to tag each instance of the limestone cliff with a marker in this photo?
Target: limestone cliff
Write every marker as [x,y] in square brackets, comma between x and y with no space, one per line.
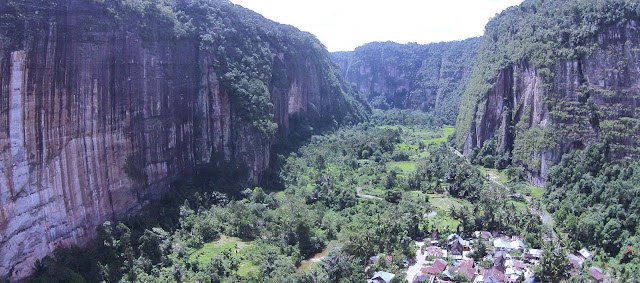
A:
[428,77]
[103,103]
[535,97]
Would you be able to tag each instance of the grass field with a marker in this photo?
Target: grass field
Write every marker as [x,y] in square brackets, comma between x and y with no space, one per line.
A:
[442,205]
[497,175]
[522,187]
[537,192]
[444,133]
[373,191]
[231,244]
[405,166]
[413,138]
[519,205]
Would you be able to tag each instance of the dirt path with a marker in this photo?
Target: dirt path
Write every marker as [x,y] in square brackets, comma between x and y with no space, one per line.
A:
[358,189]
[414,270]
[493,176]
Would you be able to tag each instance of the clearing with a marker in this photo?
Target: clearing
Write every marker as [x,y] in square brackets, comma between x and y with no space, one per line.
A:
[235,246]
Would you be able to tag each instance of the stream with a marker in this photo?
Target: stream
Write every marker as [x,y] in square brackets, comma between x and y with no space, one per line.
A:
[306,264]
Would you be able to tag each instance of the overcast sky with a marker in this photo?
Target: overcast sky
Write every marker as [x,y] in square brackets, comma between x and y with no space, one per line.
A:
[346,24]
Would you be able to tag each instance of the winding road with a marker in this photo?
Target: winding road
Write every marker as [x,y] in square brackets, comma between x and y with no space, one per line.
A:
[544,215]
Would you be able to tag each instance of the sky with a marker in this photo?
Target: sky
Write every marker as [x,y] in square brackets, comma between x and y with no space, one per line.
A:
[343,25]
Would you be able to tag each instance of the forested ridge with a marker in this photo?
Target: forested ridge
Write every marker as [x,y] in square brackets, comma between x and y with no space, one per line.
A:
[596,203]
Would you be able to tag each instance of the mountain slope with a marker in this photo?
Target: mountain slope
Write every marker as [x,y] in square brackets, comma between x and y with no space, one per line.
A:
[553,76]
[428,77]
[104,103]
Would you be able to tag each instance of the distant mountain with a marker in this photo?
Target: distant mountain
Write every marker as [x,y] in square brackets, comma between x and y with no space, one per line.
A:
[428,77]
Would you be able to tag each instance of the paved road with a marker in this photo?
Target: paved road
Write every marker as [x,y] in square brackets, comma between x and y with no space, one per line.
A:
[414,270]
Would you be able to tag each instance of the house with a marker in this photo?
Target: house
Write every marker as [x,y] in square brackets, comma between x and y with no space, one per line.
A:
[456,237]
[482,235]
[513,274]
[517,245]
[515,264]
[493,275]
[381,277]
[576,261]
[466,245]
[499,261]
[456,250]
[500,244]
[585,254]
[374,259]
[435,238]
[423,278]
[468,272]
[436,268]
[533,254]
[434,252]
[596,274]
[466,263]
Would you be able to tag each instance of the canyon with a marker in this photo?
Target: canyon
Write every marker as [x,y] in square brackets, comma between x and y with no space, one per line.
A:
[426,77]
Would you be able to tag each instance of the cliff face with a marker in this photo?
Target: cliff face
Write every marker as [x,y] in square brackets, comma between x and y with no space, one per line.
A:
[96,120]
[536,112]
[411,76]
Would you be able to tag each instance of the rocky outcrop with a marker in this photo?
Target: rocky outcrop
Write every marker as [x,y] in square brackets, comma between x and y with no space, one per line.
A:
[96,121]
[536,113]
[428,77]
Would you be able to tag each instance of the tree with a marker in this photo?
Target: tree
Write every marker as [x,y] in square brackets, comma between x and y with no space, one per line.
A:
[258,195]
[554,265]
[480,251]
[339,266]
[392,196]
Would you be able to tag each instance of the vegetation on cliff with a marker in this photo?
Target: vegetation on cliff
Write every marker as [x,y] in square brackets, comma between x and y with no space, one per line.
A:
[543,34]
[247,49]
[129,95]
[580,53]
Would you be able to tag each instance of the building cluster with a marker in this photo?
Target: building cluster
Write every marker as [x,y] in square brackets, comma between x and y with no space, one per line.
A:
[506,259]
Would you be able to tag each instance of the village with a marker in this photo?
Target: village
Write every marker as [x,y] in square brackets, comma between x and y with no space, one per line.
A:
[484,257]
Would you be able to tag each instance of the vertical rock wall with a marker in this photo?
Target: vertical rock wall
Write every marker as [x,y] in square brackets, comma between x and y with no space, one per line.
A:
[96,124]
[588,99]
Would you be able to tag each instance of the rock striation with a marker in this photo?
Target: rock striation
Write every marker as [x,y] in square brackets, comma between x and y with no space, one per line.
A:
[536,98]
[98,113]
